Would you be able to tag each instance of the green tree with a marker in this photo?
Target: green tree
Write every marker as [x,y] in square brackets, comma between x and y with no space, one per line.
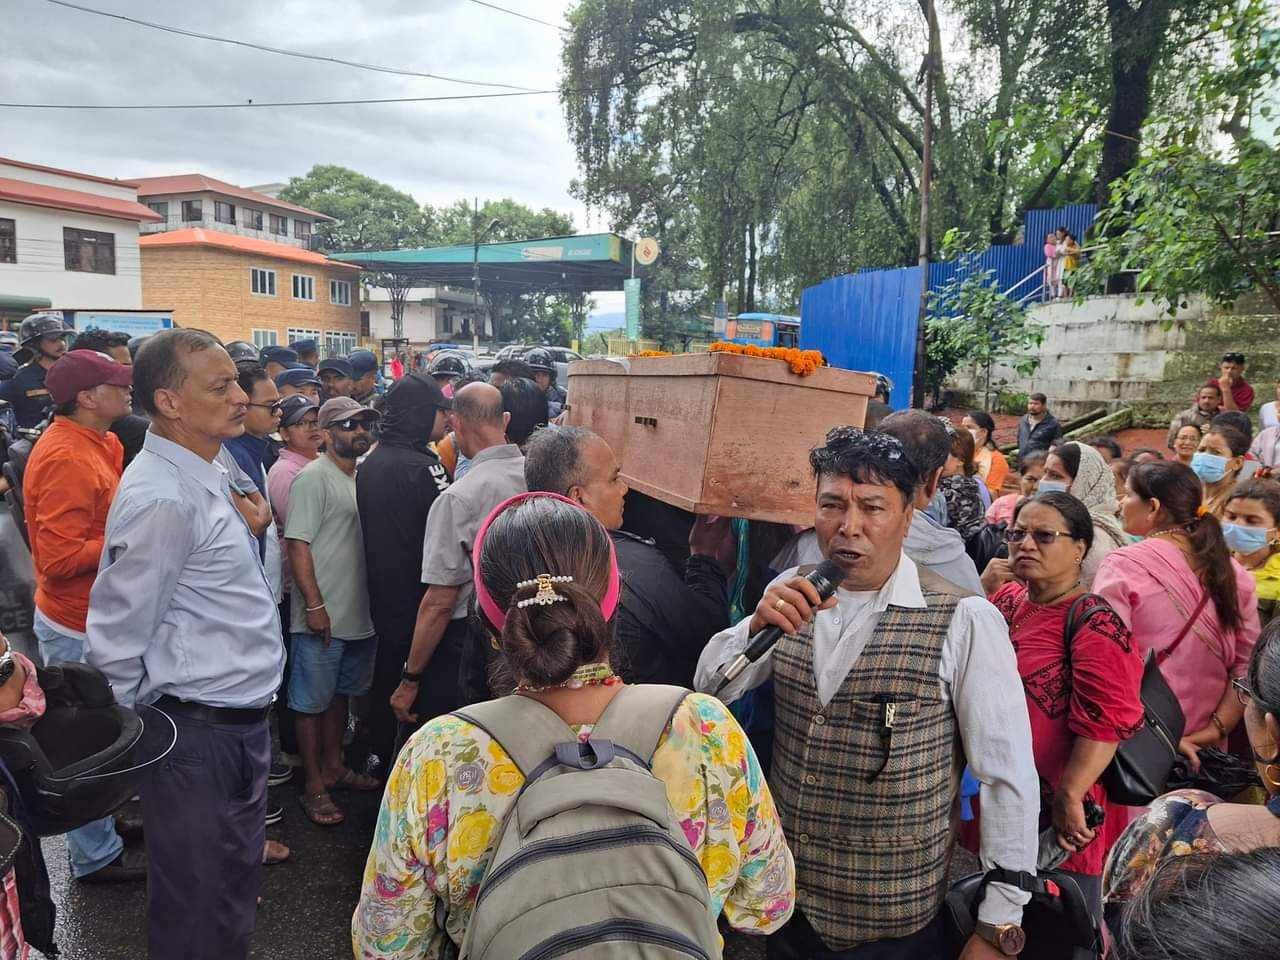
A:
[368,214]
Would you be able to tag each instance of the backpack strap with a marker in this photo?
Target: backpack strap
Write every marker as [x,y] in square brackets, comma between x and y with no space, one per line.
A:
[523,727]
[638,716]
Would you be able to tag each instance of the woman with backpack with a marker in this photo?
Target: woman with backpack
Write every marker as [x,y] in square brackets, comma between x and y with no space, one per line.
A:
[1081,673]
[547,795]
[1185,598]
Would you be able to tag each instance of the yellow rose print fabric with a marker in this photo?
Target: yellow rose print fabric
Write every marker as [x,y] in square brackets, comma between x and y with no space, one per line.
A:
[452,786]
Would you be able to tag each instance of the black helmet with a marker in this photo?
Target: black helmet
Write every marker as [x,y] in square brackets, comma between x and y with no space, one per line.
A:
[450,363]
[240,350]
[40,325]
[87,755]
[539,360]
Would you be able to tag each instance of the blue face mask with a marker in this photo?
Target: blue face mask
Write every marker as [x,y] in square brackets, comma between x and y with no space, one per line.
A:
[1051,486]
[1209,467]
[1245,540]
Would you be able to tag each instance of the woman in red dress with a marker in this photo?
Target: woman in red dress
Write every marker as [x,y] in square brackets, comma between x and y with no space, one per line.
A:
[1082,703]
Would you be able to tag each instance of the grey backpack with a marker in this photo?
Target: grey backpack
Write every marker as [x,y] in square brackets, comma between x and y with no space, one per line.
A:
[590,861]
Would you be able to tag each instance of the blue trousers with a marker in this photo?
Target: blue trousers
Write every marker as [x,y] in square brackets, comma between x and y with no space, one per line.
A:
[204,813]
[96,844]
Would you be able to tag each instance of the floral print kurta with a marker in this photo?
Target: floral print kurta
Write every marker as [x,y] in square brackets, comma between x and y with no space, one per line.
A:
[452,786]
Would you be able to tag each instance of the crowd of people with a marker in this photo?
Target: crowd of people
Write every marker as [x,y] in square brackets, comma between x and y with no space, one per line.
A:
[430,586]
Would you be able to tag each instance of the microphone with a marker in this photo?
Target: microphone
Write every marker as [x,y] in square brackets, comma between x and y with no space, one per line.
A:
[825,579]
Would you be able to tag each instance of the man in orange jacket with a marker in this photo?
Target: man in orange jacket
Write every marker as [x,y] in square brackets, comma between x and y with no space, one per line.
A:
[69,484]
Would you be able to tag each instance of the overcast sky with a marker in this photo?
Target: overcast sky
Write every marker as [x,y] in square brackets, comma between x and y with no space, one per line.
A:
[438,152]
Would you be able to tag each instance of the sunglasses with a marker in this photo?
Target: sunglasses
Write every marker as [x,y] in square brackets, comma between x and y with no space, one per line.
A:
[273,407]
[1043,538]
[351,425]
[1234,358]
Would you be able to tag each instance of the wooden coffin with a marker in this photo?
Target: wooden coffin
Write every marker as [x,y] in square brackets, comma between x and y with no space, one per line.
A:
[717,433]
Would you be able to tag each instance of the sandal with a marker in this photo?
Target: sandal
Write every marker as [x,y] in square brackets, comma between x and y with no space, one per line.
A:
[359,782]
[273,852]
[321,810]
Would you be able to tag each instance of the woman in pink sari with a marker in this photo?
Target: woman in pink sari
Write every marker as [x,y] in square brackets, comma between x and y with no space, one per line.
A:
[1183,572]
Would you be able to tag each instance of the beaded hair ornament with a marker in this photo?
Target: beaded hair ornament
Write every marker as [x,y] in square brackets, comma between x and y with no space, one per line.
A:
[544,582]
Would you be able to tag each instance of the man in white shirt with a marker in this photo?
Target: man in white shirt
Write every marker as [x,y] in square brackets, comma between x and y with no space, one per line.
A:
[879,691]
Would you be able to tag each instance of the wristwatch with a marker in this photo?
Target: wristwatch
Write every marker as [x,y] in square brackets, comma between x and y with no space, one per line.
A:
[1008,938]
[411,677]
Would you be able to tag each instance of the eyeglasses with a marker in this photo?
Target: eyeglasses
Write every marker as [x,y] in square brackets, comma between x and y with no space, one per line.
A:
[1243,693]
[1043,538]
[351,425]
[273,407]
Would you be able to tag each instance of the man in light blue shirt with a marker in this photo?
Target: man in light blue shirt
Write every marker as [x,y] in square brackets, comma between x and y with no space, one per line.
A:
[182,616]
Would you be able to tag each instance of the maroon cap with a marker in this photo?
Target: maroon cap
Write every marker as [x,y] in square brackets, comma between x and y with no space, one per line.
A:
[78,370]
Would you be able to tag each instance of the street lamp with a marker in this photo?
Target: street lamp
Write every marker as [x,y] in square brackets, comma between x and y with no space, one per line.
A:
[494,224]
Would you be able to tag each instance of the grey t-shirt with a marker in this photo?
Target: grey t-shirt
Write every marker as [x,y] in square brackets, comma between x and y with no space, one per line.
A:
[322,512]
[496,474]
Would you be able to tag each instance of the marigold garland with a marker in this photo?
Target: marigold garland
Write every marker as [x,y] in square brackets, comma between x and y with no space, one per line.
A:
[802,362]
[652,353]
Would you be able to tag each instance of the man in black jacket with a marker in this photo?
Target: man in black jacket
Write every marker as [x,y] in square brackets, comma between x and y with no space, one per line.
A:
[395,488]
[1038,428]
[664,618]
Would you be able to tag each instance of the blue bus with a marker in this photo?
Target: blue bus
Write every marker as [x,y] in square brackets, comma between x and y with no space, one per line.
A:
[763,330]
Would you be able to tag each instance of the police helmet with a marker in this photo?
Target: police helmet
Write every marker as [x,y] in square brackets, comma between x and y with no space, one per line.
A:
[450,363]
[240,351]
[9,340]
[539,360]
[41,325]
[87,755]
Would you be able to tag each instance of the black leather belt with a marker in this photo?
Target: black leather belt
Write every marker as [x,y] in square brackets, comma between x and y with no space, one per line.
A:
[207,714]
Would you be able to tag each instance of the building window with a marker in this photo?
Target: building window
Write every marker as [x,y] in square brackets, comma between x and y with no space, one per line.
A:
[339,344]
[192,211]
[340,292]
[279,225]
[446,322]
[252,218]
[265,338]
[224,212]
[89,251]
[302,229]
[8,241]
[364,324]
[161,207]
[301,333]
[262,282]
[304,287]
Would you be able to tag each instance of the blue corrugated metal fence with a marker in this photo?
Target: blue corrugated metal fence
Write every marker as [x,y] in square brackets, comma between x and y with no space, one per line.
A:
[868,320]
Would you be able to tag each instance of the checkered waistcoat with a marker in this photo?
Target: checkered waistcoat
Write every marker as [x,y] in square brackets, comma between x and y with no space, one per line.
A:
[871,857]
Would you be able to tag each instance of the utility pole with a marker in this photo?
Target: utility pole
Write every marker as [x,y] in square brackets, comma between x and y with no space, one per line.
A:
[475,280]
[926,172]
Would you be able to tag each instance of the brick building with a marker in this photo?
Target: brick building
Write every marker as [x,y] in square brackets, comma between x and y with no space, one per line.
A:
[244,265]
[243,288]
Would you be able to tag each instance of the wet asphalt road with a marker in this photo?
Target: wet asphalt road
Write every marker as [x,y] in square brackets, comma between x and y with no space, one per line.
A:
[306,902]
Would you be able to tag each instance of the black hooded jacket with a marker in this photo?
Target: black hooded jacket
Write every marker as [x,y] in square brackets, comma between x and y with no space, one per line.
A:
[395,488]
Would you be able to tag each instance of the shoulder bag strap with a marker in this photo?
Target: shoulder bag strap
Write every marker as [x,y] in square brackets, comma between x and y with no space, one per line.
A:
[1070,627]
[1167,652]
[638,716]
[523,727]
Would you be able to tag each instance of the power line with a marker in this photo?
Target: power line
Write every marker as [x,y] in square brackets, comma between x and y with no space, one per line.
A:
[278,50]
[266,103]
[522,16]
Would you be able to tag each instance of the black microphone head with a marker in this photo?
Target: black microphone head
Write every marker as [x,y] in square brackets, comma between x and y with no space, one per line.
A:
[827,577]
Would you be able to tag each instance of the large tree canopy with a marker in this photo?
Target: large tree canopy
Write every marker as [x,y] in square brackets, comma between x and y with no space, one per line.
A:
[770,143]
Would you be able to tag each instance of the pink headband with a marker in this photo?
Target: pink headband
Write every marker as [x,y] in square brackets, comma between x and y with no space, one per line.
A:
[608,604]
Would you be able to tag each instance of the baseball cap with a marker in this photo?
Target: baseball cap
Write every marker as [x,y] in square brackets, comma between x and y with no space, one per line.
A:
[281,355]
[294,408]
[362,362]
[304,346]
[338,365]
[297,377]
[344,408]
[78,370]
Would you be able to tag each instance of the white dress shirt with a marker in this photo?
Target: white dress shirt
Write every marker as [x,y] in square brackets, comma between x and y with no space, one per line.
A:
[977,675]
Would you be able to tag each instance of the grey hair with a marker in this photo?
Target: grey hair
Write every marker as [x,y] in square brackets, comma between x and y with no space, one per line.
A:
[553,458]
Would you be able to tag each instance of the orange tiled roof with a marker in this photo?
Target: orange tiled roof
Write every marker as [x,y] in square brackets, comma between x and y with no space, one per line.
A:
[198,236]
[60,198]
[199,183]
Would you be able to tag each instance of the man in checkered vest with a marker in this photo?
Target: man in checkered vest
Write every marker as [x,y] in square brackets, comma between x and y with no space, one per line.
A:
[883,693]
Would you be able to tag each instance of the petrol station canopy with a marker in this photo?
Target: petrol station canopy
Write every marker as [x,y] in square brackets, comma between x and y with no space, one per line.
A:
[582,263]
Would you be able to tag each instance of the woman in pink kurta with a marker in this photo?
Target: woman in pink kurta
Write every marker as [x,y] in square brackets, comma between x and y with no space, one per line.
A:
[1158,584]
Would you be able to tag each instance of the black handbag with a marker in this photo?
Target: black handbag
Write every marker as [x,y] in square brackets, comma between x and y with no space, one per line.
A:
[1056,921]
[1142,765]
